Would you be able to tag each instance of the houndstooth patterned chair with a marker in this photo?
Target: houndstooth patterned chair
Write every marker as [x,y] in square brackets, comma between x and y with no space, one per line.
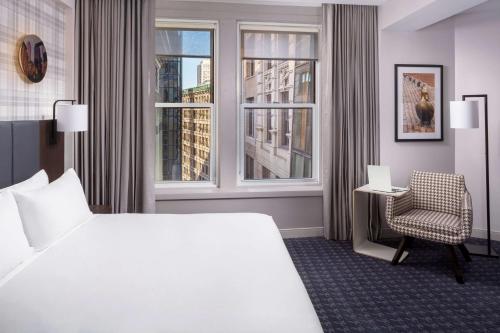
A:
[437,208]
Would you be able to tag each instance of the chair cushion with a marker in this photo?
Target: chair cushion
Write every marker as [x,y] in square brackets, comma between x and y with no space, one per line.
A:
[437,191]
[429,221]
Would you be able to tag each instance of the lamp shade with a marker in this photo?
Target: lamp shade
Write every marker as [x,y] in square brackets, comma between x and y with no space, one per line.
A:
[72,118]
[464,114]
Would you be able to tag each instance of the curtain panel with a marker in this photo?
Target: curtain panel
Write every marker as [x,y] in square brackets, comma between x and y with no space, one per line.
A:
[350,111]
[114,67]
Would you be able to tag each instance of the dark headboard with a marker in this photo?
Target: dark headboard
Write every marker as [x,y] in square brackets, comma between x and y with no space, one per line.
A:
[24,149]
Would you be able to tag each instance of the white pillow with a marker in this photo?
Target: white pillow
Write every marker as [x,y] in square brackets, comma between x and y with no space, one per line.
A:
[14,247]
[50,212]
[38,180]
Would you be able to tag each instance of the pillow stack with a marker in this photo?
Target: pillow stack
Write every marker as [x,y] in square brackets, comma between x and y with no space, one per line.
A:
[53,210]
[14,247]
[34,214]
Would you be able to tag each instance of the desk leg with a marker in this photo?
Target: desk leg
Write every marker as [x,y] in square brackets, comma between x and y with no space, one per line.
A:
[360,242]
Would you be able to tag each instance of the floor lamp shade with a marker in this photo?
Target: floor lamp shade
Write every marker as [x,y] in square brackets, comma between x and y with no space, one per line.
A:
[464,114]
[72,118]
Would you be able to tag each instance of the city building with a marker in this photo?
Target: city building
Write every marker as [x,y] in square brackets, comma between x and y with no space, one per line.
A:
[204,72]
[168,120]
[278,141]
[196,134]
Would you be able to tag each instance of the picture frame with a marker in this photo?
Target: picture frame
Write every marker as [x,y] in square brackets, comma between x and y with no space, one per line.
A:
[418,102]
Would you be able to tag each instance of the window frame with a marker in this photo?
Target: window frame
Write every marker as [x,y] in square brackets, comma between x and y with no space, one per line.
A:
[213,107]
[242,105]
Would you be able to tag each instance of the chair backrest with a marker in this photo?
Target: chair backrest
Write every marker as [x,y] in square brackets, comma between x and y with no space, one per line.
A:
[439,192]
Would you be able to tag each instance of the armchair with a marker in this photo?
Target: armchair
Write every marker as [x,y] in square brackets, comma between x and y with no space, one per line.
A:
[437,208]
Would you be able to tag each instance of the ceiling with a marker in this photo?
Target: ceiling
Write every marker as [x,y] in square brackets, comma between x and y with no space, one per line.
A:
[312,3]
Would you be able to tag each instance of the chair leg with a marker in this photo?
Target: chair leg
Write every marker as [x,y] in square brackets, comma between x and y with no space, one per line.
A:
[459,275]
[403,245]
[465,252]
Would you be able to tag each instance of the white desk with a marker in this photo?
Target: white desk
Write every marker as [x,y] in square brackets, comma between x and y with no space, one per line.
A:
[360,241]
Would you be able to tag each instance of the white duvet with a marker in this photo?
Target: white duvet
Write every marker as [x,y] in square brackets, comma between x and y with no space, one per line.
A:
[161,273]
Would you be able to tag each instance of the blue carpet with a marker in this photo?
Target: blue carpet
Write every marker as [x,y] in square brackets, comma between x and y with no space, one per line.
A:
[356,293]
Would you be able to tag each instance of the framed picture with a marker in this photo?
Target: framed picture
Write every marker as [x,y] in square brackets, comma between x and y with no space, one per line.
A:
[419,102]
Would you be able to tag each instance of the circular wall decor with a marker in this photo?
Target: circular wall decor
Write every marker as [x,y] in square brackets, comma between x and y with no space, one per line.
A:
[33,58]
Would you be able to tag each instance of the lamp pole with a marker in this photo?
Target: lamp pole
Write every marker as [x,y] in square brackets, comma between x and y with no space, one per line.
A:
[481,250]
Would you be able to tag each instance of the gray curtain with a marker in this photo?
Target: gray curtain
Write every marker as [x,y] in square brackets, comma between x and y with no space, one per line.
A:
[350,110]
[114,67]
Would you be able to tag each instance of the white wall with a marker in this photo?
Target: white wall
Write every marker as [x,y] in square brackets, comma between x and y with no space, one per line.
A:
[433,45]
[477,57]
[290,210]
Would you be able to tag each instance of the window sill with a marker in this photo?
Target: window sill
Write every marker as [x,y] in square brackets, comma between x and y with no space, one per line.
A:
[242,192]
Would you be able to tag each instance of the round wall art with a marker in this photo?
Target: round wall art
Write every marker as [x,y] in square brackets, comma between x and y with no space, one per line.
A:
[33,58]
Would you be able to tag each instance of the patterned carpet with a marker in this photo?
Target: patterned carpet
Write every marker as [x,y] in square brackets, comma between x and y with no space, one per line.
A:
[356,293]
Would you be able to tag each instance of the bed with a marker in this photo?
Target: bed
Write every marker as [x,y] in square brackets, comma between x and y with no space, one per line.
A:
[64,269]
[160,273]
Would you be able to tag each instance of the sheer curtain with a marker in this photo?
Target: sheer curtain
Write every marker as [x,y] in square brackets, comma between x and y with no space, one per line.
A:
[114,67]
[350,111]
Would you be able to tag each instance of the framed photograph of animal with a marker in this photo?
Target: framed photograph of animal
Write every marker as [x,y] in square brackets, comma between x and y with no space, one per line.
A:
[419,102]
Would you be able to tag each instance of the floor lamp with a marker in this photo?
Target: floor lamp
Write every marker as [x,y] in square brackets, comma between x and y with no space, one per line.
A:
[465,114]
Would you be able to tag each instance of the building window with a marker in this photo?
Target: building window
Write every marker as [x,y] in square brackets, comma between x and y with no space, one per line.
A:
[285,129]
[285,96]
[269,64]
[269,126]
[282,102]
[250,124]
[249,167]
[301,143]
[184,102]
[249,70]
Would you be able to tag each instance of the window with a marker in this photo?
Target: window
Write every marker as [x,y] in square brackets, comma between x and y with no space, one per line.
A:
[249,70]
[269,64]
[250,122]
[280,97]
[249,167]
[266,173]
[184,102]
[269,126]
[285,129]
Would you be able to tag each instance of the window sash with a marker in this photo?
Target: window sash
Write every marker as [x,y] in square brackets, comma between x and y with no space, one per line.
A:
[172,49]
[242,135]
[212,27]
[244,106]
[213,145]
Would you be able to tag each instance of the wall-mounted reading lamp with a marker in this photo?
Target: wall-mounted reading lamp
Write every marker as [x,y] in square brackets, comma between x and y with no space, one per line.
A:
[69,118]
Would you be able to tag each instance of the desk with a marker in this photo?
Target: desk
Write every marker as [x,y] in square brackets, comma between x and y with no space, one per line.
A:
[360,242]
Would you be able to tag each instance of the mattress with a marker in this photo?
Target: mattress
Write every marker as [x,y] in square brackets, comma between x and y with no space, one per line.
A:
[161,273]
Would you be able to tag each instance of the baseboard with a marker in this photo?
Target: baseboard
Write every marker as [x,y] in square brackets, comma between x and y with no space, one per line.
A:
[477,233]
[481,233]
[302,232]
[386,233]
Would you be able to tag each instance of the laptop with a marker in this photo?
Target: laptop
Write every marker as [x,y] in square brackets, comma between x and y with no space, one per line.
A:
[379,179]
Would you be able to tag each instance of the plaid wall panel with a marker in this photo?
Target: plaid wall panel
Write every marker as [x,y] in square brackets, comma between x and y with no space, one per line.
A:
[19,99]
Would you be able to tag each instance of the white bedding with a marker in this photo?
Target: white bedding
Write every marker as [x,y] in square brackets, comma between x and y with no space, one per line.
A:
[161,273]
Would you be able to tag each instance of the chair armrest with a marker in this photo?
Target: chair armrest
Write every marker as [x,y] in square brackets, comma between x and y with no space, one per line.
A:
[398,205]
[466,213]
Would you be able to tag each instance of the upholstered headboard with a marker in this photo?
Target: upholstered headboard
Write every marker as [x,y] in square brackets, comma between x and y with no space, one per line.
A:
[19,151]
[24,149]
